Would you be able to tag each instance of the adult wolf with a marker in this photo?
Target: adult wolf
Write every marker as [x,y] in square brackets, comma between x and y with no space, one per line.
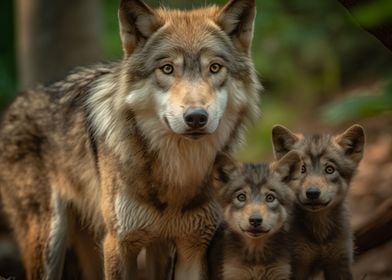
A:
[128,148]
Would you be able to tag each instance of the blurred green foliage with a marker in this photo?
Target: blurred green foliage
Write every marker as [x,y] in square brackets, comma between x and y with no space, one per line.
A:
[306,52]
[112,42]
[363,103]
[374,13]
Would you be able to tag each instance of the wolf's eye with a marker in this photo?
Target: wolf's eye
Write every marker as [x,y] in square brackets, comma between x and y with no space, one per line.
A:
[329,169]
[303,168]
[167,69]
[241,197]
[215,68]
[269,198]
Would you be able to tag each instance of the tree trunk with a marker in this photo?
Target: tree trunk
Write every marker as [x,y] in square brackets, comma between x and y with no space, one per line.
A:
[382,32]
[53,36]
[375,231]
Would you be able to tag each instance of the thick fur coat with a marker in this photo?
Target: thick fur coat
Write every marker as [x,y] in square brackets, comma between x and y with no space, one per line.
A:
[126,150]
[321,231]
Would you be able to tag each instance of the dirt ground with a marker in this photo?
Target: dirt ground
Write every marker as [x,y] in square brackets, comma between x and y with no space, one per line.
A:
[370,188]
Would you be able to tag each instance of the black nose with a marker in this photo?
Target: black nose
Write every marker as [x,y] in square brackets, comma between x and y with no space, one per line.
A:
[255,220]
[196,117]
[313,193]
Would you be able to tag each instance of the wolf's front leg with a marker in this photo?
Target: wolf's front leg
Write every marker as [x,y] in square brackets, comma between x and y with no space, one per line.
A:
[337,266]
[191,260]
[338,274]
[120,258]
[43,240]
[300,269]
[339,270]
[159,260]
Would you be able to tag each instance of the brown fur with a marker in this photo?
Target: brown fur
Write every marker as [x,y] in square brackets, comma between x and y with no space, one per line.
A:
[321,232]
[241,250]
[109,144]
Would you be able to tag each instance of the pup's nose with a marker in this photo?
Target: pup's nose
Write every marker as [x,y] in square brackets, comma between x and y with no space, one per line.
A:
[313,193]
[196,117]
[255,220]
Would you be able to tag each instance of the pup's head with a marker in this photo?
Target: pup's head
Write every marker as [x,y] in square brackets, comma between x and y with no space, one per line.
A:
[189,68]
[257,198]
[329,163]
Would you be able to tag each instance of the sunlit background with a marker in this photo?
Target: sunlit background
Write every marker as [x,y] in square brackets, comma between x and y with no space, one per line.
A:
[321,72]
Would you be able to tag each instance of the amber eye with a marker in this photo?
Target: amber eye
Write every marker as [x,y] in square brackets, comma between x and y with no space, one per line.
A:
[303,168]
[215,68]
[167,69]
[270,198]
[329,169]
[241,197]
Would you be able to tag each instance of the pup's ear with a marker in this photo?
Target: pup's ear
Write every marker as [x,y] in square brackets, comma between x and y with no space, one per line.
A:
[137,23]
[352,142]
[237,19]
[288,167]
[283,140]
[225,167]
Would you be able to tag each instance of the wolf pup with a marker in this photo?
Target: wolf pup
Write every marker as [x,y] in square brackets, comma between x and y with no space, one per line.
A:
[321,232]
[128,148]
[252,244]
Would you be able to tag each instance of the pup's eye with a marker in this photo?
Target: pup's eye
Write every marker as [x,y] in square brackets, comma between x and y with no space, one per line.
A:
[215,68]
[167,69]
[329,169]
[241,197]
[303,168]
[269,198]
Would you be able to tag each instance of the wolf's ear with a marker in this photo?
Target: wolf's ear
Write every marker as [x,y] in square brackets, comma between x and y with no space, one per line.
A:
[137,23]
[288,167]
[225,167]
[283,140]
[352,142]
[237,19]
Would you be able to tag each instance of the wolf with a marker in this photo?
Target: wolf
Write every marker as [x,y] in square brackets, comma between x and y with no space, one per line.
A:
[321,231]
[257,201]
[123,152]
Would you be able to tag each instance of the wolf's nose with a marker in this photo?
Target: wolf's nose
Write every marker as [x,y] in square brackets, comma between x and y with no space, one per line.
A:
[196,117]
[255,220]
[313,193]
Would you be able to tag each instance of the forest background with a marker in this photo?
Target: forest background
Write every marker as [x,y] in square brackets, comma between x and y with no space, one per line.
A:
[321,69]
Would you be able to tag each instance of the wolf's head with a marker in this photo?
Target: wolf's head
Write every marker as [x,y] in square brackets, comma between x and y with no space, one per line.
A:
[188,73]
[257,198]
[329,163]
[184,89]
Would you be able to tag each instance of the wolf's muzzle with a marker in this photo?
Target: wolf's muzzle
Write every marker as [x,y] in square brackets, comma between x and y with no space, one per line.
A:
[196,118]
[313,193]
[255,220]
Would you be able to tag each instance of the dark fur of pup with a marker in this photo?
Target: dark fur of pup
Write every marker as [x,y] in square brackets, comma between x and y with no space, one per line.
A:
[257,199]
[320,230]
